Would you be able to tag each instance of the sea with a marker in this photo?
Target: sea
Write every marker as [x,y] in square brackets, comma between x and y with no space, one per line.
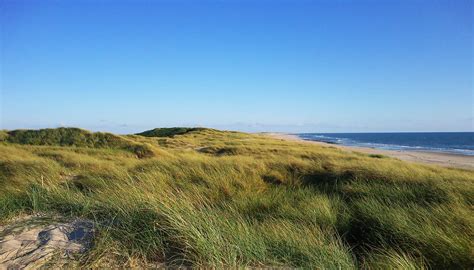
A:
[461,143]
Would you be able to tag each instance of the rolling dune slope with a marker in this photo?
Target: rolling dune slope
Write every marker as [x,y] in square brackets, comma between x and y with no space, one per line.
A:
[204,197]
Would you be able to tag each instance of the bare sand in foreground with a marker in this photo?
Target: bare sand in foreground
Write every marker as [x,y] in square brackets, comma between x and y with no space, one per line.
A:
[442,159]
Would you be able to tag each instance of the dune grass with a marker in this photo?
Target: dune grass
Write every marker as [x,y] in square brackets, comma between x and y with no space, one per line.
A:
[75,137]
[214,198]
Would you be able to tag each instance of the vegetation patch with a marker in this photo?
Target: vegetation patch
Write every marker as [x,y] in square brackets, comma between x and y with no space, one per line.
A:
[78,138]
[168,132]
[221,151]
[377,156]
[226,199]
[3,135]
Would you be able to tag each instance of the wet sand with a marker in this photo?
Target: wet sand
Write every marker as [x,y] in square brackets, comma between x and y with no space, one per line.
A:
[442,159]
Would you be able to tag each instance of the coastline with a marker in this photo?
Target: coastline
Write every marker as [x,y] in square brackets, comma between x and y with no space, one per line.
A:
[433,158]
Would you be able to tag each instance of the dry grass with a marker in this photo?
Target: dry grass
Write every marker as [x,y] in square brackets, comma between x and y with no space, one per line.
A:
[214,198]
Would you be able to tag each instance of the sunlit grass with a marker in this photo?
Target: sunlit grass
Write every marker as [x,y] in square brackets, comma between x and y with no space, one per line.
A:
[214,198]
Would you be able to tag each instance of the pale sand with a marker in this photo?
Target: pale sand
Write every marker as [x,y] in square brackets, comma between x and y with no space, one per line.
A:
[442,159]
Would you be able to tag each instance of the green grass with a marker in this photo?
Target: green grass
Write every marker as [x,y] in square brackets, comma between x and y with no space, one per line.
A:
[168,132]
[213,198]
[75,137]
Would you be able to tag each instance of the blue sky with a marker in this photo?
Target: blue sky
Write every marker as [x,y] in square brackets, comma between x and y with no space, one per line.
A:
[297,66]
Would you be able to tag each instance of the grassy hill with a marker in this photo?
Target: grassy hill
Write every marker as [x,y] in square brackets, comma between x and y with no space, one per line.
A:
[74,137]
[205,198]
[168,132]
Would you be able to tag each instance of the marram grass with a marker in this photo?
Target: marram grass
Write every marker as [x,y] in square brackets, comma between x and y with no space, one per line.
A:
[209,198]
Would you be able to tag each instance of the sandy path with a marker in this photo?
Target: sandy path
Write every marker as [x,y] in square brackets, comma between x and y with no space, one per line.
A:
[443,159]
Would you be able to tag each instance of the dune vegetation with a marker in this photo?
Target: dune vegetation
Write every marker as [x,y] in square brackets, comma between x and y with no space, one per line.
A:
[203,197]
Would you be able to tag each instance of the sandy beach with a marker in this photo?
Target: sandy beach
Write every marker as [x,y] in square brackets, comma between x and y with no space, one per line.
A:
[442,159]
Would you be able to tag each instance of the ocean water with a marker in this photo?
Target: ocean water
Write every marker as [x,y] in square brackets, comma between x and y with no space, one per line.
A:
[446,142]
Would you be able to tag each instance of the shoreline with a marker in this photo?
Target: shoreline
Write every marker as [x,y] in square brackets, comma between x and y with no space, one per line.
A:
[425,157]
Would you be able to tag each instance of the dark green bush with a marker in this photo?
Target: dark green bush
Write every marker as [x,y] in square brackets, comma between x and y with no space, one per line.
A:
[168,132]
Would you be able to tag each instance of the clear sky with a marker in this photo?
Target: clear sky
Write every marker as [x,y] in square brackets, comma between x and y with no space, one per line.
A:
[309,66]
